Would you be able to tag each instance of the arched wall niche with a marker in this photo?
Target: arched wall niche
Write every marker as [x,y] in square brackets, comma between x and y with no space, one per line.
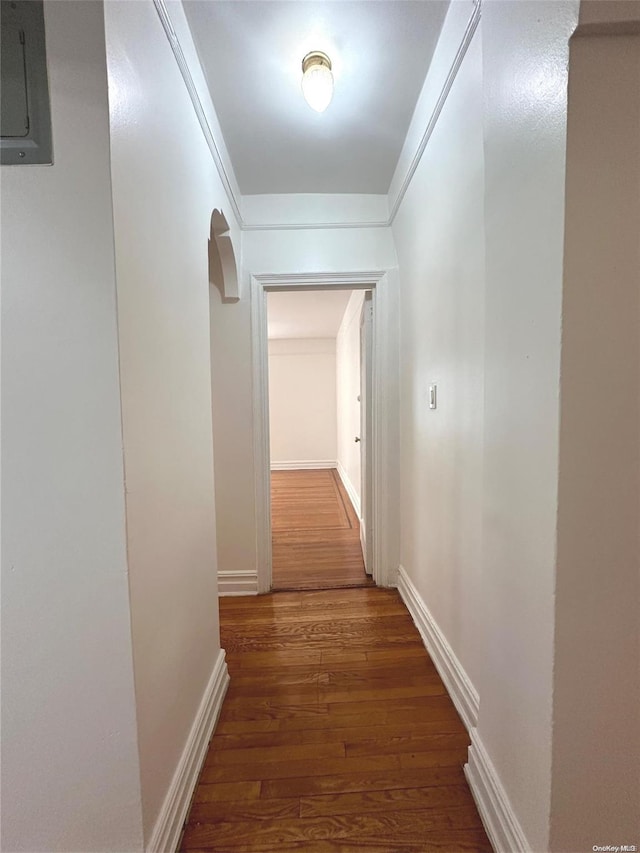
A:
[223,271]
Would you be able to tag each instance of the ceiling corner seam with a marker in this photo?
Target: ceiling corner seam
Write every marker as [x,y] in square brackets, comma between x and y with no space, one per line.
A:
[458,59]
[187,77]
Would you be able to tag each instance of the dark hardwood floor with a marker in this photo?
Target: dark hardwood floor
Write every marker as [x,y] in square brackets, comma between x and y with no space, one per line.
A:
[315,532]
[336,734]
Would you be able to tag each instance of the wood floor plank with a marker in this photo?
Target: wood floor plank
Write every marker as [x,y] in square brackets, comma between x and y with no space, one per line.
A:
[336,735]
[292,714]
[342,627]
[283,694]
[315,532]
[345,783]
[402,828]
[459,841]
[432,758]
[227,791]
[465,841]
[361,693]
[322,767]
[265,709]
[394,799]
[215,811]
[367,670]
[350,638]
[276,658]
[357,734]
[279,753]
[384,744]
[347,610]
[413,651]
[409,704]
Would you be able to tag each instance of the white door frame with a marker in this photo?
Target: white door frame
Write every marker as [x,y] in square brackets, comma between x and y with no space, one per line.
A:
[366,427]
[384,416]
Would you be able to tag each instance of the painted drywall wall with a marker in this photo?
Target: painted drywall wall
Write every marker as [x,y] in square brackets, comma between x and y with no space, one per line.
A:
[310,251]
[442,343]
[348,392]
[525,62]
[495,602]
[70,769]
[165,187]
[305,314]
[596,738]
[231,383]
[295,251]
[318,208]
[302,401]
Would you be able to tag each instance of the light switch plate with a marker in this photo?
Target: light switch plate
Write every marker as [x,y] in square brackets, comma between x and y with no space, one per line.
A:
[433,396]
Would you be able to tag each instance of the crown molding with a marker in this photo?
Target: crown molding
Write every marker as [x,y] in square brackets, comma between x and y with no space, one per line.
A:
[227,176]
[228,181]
[458,59]
[315,226]
[358,280]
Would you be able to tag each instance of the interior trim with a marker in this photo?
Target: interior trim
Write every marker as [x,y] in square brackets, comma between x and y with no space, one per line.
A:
[210,139]
[168,827]
[499,819]
[385,511]
[305,465]
[228,184]
[462,692]
[458,59]
[354,497]
[241,582]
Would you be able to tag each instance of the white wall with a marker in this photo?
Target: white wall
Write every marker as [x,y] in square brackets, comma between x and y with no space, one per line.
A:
[165,187]
[525,59]
[232,381]
[322,250]
[439,234]
[348,391]
[69,746]
[302,401]
[596,741]
[481,262]
[295,251]
[317,208]
[479,238]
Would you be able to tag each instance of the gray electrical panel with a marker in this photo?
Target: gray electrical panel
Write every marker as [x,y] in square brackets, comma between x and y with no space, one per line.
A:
[25,116]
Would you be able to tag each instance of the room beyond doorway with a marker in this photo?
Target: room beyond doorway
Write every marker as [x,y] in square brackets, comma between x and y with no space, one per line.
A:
[315,532]
[381,460]
[317,379]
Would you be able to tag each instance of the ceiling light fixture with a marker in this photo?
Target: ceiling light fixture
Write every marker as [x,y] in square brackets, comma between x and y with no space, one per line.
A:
[317,80]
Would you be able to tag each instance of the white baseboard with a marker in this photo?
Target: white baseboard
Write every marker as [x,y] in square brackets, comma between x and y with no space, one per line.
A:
[354,497]
[237,583]
[306,465]
[504,830]
[498,817]
[456,680]
[166,833]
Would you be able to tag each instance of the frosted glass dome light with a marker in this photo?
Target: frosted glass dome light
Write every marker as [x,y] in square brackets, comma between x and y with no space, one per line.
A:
[317,80]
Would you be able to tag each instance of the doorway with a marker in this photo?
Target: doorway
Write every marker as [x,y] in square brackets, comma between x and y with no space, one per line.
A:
[318,365]
[379,449]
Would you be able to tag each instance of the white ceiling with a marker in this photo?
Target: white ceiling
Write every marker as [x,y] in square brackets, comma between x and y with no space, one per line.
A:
[251,52]
[298,314]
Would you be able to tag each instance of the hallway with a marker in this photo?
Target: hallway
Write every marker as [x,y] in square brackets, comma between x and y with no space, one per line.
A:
[315,532]
[477,172]
[336,734]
